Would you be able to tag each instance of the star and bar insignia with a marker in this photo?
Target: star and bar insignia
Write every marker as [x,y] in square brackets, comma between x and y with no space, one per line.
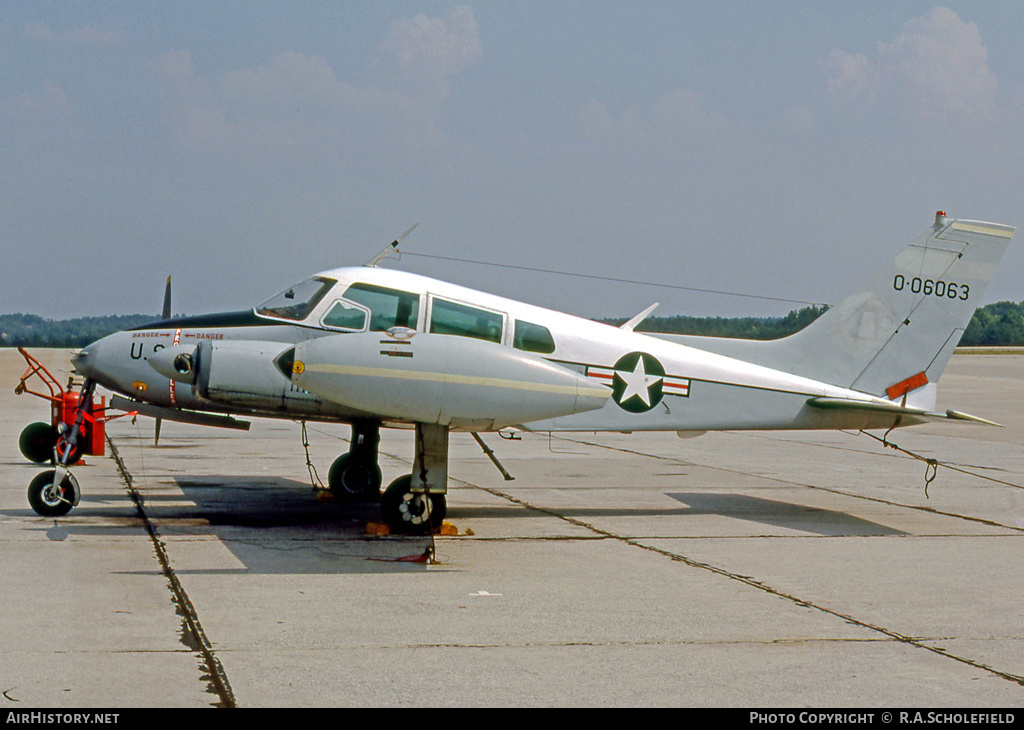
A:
[638,382]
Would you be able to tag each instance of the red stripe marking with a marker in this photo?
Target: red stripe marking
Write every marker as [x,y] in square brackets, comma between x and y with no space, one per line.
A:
[905,386]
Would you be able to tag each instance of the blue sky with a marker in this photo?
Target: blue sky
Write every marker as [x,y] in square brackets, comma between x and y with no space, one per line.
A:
[782,149]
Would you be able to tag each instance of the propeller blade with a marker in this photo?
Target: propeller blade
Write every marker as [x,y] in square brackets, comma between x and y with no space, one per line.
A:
[167,303]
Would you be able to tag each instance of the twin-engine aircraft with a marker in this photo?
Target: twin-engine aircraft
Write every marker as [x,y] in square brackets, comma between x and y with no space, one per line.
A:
[375,348]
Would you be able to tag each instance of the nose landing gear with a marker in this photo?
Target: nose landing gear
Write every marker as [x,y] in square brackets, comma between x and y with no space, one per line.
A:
[413,503]
[54,492]
[76,428]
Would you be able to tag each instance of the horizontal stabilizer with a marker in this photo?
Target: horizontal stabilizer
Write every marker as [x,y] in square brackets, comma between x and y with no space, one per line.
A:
[176,414]
[958,416]
[869,407]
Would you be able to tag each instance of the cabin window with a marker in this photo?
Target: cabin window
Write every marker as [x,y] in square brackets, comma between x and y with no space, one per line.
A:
[297,302]
[346,315]
[532,338]
[451,318]
[388,307]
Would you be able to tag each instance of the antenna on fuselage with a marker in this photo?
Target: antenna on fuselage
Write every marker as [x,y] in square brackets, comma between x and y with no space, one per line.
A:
[390,248]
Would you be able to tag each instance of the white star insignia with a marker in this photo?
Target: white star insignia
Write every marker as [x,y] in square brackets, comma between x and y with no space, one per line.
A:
[638,383]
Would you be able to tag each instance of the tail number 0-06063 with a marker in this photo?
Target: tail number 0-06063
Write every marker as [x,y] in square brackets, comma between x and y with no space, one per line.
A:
[940,288]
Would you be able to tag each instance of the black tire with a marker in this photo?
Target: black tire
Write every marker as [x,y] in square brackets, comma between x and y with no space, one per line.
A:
[46,503]
[76,453]
[412,512]
[352,479]
[37,441]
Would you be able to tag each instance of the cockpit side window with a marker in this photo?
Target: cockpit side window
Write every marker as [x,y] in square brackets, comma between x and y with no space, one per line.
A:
[388,307]
[532,338]
[295,303]
[452,318]
[346,315]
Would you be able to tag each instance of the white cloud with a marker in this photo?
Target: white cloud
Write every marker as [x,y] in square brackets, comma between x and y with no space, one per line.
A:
[937,65]
[48,102]
[421,53]
[676,119]
[798,120]
[89,35]
[290,79]
[686,112]
[43,116]
[292,104]
[852,74]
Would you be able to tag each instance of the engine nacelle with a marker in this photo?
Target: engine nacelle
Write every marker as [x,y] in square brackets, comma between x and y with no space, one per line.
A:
[230,372]
[443,379]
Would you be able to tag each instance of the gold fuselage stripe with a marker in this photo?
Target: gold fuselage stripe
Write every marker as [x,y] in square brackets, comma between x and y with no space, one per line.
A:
[456,379]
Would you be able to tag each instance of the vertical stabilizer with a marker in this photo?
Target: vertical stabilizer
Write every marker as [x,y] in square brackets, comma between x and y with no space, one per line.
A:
[893,336]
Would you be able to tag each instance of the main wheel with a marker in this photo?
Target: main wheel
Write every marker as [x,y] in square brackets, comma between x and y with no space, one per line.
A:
[352,479]
[49,501]
[36,442]
[409,511]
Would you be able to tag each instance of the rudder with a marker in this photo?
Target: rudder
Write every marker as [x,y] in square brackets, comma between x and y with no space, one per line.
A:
[894,337]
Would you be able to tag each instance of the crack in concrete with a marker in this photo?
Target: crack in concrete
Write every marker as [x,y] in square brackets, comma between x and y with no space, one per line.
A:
[917,642]
[818,487]
[192,635]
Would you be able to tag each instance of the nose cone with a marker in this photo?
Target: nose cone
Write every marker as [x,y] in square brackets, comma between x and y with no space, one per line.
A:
[95,361]
[83,361]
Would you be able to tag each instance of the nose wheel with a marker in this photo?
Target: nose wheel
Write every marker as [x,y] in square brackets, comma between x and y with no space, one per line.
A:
[51,495]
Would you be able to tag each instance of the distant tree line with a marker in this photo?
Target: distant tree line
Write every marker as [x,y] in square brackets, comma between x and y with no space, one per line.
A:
[750,328]
[999,324]
[31,330]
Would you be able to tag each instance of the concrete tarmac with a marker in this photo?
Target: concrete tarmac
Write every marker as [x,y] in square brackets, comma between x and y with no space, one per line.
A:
[774,569]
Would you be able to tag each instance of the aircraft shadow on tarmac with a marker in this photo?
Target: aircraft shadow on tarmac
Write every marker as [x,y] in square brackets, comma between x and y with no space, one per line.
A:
[268,525]
[277,525]
[786,515]
[273,525]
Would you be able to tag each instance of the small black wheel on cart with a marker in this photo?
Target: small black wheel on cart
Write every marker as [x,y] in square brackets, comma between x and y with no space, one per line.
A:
[37,441]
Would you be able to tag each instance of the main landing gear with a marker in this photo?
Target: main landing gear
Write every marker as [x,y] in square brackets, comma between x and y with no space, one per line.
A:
[413,503]
[355,476]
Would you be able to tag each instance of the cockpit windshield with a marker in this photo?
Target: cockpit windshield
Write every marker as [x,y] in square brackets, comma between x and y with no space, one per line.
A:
[296,302]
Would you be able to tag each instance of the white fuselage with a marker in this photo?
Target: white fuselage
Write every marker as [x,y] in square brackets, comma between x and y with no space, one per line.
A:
[652,384]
